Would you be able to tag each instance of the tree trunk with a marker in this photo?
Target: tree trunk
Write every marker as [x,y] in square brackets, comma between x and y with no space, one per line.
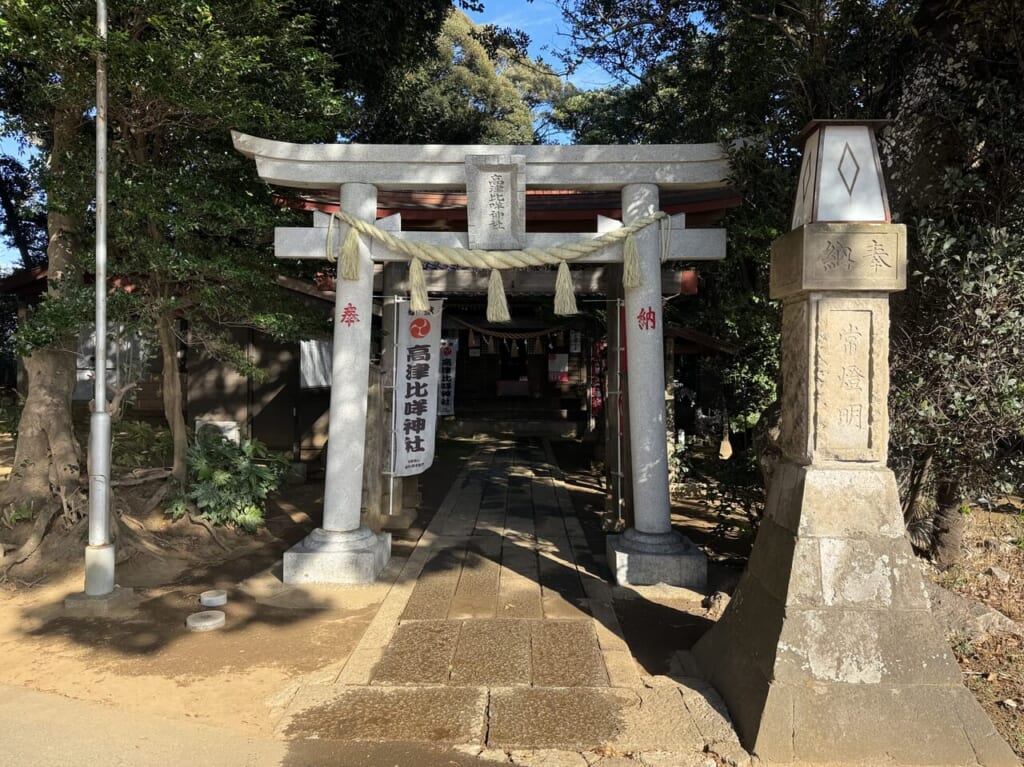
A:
[949,524]
[171,384]
[46,459]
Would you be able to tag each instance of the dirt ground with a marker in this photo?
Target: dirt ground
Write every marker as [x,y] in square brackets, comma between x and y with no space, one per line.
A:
[237,679]
[992,573]
[240,679]
[150,662]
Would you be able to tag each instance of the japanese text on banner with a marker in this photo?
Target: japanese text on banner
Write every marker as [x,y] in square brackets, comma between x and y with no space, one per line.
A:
[417,374]
[446,393]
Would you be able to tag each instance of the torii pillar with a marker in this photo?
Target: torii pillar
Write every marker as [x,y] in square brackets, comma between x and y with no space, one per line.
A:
[342,550]
[651,551]
[828,652]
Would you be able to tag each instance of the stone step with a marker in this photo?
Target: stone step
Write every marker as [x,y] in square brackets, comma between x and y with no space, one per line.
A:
[496,652]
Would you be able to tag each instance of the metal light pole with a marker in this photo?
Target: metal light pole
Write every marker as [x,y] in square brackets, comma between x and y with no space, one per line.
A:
[99,555]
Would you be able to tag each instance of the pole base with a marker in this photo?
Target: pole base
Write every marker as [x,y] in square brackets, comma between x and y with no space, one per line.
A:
[400,520]
[99,569]
[114,601]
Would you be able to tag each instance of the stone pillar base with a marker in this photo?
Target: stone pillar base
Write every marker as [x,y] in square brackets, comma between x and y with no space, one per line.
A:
[645,559]
[325,556]
[828,651]
[90,605]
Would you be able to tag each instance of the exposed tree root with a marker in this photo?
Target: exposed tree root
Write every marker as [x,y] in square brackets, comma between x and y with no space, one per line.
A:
[143,540]
[39,529]
[209,528]
[5,577]
[141,477]
[45,551]
[153,502]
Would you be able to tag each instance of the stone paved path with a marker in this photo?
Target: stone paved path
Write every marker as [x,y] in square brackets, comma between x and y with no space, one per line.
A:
[499,638]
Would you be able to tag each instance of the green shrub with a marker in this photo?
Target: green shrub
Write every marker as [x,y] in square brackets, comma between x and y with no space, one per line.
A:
[228,483]
[138,444]
[733,489]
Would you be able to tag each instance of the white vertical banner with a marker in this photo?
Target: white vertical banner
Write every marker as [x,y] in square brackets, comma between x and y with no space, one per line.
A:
[417,376]
[315,363]
[446,394]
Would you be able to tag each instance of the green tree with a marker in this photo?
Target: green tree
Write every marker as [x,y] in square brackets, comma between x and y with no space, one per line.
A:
[479,86]
[956,160]
[949,72]
[749,75]
[22,211]
[373,43]
[189,224]
[23,228]
[180,76]
[49,75]
[189,221]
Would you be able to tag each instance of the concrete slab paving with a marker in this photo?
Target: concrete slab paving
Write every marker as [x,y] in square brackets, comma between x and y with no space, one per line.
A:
[673,759]
[658,720]
[463,518]
[707,712]
[420,653]
[493,653]
[477,593]
[548,758]
[491,645]
[420,714]
[566,654]
[436,584]
[519,592]
[621,668]
[555,718]
[563,592]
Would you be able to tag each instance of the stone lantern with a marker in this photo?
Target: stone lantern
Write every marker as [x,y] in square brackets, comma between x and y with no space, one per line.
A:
[828,651]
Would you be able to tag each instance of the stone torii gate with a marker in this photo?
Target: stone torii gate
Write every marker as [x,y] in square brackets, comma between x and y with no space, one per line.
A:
[495,179]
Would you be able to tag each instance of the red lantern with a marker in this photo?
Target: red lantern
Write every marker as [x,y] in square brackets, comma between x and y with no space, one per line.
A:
[688,282]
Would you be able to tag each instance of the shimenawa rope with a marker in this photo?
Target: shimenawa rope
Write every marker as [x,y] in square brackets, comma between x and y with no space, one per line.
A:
[497,305]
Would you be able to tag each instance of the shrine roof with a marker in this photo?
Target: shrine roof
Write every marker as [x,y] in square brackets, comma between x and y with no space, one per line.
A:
[693,341]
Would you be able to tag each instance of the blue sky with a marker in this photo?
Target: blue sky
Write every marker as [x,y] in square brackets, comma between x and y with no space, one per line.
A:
[542,21]
[9,256]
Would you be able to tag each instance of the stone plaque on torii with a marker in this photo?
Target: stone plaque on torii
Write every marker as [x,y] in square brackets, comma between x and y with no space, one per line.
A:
[495,179]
